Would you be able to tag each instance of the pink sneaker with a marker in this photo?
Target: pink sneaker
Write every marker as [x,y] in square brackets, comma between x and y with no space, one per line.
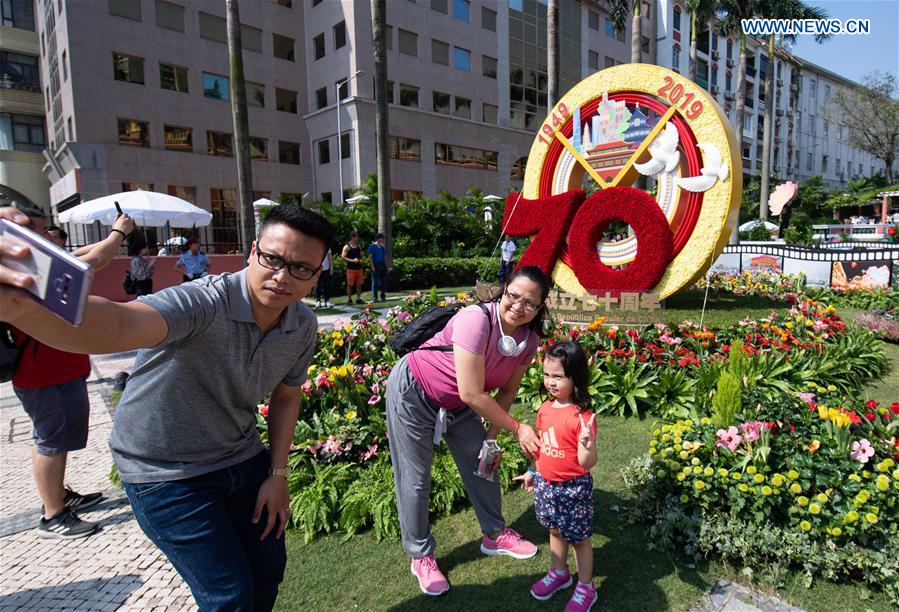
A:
[510,543]
[552,583]
[431,580]
[583,598]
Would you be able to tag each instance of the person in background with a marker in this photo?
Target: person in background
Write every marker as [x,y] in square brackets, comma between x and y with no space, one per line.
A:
[52,386]
[377,254]
[141,267]
[507,261]
[352,255]
[194,263]
[323,286]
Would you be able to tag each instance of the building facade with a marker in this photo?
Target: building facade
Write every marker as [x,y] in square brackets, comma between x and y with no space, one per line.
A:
[22,134]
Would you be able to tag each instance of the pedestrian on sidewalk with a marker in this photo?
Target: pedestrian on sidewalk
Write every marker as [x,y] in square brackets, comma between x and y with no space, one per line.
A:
[377,254]
[323,286]
[52,386]
[352,255]
[507,261]
[202,485]
[141,269]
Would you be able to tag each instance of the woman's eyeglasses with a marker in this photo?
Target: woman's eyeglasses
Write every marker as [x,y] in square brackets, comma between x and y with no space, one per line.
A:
[273,262]
[527,305]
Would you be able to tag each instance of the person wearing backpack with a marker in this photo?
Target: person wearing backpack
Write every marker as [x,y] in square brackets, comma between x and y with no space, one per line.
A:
[439,392]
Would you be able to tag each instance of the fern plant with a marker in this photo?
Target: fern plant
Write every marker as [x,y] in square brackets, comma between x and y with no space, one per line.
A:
[315,505]
[371,499]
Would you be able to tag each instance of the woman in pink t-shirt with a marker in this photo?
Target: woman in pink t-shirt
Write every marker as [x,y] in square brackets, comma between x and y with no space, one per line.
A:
[434,394]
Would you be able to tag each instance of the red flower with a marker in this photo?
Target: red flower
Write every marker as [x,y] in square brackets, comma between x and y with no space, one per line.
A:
[894,407]
[870,416]
[871,404]
[632,333]
[891,231]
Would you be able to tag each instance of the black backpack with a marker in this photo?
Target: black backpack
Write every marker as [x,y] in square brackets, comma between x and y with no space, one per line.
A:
[129,284]
[9,353]
[423,327]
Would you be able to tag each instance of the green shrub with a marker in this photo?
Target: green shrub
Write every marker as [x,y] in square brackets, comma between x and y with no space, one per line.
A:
[423,272]
[760,232]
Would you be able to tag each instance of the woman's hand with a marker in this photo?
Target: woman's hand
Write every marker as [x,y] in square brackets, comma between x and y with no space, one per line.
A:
[527,481]
[528,440]
[124,223]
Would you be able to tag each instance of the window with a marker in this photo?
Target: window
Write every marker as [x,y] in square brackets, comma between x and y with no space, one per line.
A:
[407,149]
[128,68]
[461,59]
[593,20]
[343,89]
[185,193]
[676,17]
[440,6]
[286,100]
[461,10]
[255,94]
[388,34]
[65,68]
[593,60]
[169,15]
[258,148]
[251,38]
[282,47]
[213,28]
[129,9]
[216,86]
[288,152]
[132,132]
[488,66]
[439,52]
[727,82]
[441,103]
[223,205]
[408,95]
[324,152]
[826,129]
[132,186]
[27,133]
[675,58]
[518,169]
[488,19]
[345,147]
[178,138]
[608,62]
[340,35]
[289,3]
[611,32]
[321,97]
[644,44]
[730,49]
[172,77]
[490,113]
[408,42]
[463,108]
[809,164]
[219,143]
[72,130]
[22,70]
[390,98]
[327,197]
[824,164]
[318,46]
[465,157]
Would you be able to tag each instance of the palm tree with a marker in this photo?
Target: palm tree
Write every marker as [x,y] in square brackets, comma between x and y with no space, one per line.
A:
[619,9]
[700,13]
[385,206]
[552,53]
[778,9]
[241,127]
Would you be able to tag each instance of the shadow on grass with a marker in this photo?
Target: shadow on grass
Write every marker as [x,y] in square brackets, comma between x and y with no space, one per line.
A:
[627,575]
[689,300]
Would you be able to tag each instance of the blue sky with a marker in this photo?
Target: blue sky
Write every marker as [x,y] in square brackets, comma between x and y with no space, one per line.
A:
[855,56]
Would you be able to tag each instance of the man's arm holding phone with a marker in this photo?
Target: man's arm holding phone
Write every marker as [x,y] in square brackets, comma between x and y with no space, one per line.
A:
[99,254]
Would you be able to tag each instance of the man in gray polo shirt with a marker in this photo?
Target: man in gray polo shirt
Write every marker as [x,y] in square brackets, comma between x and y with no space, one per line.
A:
[201,484]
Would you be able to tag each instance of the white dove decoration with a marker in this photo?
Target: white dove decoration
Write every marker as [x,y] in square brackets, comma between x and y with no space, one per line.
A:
[665,155]
[712,171]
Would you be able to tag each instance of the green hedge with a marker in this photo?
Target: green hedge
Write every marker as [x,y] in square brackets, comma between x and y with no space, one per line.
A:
[423,273]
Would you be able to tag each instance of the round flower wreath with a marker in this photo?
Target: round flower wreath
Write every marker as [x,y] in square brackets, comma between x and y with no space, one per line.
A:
[655,241]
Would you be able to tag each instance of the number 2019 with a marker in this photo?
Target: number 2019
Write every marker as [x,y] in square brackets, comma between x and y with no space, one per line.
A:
[677,95]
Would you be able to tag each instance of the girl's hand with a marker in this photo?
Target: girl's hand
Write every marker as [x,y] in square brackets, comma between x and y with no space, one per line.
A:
[587,438]
[527,481]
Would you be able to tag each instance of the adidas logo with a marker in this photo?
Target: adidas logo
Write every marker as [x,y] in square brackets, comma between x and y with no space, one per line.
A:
[549,445]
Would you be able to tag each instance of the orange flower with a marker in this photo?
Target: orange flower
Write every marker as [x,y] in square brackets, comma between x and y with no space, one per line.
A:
[814,446]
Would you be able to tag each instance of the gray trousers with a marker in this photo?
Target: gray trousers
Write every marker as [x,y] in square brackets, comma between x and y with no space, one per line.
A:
[411,417]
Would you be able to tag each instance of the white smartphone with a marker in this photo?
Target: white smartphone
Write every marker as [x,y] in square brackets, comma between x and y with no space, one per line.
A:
[61,281]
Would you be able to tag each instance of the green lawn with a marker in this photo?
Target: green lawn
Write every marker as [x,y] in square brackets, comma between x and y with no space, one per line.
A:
[362,573]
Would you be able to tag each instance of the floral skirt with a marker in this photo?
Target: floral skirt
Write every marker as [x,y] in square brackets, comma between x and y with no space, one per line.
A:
[566,506]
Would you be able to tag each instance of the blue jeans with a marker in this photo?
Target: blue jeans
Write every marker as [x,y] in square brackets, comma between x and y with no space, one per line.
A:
[203,525]
[379,282]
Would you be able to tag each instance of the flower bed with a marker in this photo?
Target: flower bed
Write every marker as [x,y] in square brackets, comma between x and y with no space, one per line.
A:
[884,322]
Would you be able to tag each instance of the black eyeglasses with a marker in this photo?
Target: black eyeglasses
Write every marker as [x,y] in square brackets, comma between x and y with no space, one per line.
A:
[527,305]
[273,262]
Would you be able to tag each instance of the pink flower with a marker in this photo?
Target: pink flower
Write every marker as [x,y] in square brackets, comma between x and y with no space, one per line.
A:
[263,410]
[404,316]
[374,399]
[376,387]
[370,453]
[667,339]
[730,438]
[819,325]
[332,445]
[322,379]
[808,398]
[307,387]
[862,451]
[753,429]
[367,369]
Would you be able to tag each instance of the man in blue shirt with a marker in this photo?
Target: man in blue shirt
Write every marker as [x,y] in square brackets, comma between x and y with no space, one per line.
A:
[193,264]
[377,252]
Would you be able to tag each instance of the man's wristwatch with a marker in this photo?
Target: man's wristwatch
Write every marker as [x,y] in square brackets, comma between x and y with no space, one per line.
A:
[281,471]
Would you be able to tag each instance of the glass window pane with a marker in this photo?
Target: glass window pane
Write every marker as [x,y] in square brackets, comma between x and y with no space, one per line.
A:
[216,86]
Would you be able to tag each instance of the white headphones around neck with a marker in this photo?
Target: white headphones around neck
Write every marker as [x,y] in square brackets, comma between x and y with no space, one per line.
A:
[506,345]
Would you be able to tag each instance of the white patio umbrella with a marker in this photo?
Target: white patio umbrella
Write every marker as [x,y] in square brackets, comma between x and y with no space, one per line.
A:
[147,208]
[176,241]
[749,225]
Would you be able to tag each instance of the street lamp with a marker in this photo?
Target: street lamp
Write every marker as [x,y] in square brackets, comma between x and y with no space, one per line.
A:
[337,87]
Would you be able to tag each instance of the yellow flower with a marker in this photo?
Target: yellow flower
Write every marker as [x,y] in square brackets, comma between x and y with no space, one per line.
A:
[814,508]
[882,483]
[694,461]
[684,499]
[795,488]
[802,500]
[871,518]
[814,446]
[697,470]
[350,415]
[855,477]
[350,368]
[895,474]
[700,485]
[792,474]
[683,454]
[708,471]
[742,487]
[835,532]
[805,525]
[777,480]
[850,517]
[766,490]
[821,497]
[751,470]
[722,472]
[862,497]
[736,475]
[681,476]
[341,371]
[461,295]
